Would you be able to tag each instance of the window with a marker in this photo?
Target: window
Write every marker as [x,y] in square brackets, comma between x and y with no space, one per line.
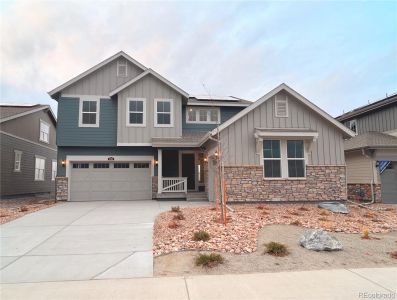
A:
[281,106]
[101,166]
[207,115]
[80,166]
[44,132]
[141,165]
[272,158]
[163,113]
[136,112]
[353,125]
[121,165]
[54,170]
[122,68]
[17,160]
[39,168]
[89,113]
[296,158]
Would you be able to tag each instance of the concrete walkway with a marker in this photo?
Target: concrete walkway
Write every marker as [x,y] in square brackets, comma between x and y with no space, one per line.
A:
[81,241]
[327,284]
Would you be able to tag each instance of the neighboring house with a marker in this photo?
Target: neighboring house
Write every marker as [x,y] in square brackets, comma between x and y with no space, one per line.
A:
[371,156]
[125,132]
[28,150]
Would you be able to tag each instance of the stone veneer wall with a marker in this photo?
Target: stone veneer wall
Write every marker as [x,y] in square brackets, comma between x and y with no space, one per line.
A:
[154,187]
[354,192]
[61,188]
[246,183]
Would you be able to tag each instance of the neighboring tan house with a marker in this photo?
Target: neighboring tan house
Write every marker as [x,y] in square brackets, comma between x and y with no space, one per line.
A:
[28,150]
[125,133]
[371,156]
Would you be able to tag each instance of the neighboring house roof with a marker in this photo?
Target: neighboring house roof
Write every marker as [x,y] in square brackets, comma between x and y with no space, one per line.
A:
[13,111]
[189,138]
[206,100]
[94,68]
[368,108]
[147,72]
[269,95]
[371,140]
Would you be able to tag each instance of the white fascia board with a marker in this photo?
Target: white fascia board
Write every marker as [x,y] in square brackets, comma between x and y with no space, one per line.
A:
[183,145]
[269,133]
[94,68]
[134,144]
[217,104]
[89,158]
[273,92]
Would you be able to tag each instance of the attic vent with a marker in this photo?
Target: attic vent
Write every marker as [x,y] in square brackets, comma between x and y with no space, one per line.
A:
[281,107]
[122,68]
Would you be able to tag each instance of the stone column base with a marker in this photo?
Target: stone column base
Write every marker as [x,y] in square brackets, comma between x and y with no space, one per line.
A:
[154,187]
[61,188]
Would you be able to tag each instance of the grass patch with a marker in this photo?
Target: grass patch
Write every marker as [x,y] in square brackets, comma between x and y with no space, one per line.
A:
[179,216]
[209,260]
[201,235]
[324,212]
[276,249]
[365,234]
[175,209]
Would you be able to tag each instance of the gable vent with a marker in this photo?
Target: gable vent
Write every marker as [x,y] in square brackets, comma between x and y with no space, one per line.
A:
[281,107]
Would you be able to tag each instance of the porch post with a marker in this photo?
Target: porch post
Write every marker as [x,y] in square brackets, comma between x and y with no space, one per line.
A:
[160,170]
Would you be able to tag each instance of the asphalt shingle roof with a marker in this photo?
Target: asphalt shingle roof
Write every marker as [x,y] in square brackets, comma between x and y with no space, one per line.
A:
[371,140]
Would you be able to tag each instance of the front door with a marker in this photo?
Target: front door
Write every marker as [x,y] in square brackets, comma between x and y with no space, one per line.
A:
[188,170]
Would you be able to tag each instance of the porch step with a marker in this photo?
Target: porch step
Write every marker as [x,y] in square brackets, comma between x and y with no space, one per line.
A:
[171,196]
[196,196]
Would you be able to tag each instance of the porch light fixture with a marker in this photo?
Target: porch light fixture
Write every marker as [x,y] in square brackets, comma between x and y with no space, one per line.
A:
[63,163]
[205,159]
[216,154]
[156,162]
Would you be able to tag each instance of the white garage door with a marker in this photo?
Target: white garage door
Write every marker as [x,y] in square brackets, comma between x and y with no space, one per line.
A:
[91,181]
[389,183]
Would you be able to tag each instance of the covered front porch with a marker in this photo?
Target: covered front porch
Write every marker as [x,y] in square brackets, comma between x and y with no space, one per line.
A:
[181,174]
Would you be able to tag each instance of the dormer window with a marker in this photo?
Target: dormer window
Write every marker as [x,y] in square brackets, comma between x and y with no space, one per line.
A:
[203,115]
[281,106]
[122,68]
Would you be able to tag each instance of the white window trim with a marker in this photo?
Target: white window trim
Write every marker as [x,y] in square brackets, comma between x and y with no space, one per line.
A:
[41,157]
[284,160]
[15,160]
[52,169]
[171,101]
[49,130]
[286,106]
[98,106]
[123,64]
[198,115]
[128,124]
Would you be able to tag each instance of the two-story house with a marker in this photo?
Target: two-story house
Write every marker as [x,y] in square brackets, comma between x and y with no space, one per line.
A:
[125,132]
[28,150]
[371,156]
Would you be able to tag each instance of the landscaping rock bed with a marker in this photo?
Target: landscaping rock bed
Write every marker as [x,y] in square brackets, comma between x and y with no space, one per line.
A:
[240,234]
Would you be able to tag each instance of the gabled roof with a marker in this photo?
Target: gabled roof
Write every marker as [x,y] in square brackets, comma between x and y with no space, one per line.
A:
[368,108]
[155,74]
[371,140]
[94,68]
[12,111]
[298,96]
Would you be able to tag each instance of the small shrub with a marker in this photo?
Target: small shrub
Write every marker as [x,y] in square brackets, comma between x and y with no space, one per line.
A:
[179,216]
[201,235]
[173,225]
[175,209]
[302,208]
[24,208]
[369,215]
[324,212]
[276,249]
[296,223]
[209,260]
[260,207]
[265,213]
[393,254]
[323,219]
[365,234]
[213,208]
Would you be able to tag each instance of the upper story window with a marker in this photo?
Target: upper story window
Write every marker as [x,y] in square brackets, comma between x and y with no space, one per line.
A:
[163,113]
[203,115]
[89,112]
[353,125]
[122,68]
[39,169]
[17,160]
[281,106]
[44,132]
[136,112]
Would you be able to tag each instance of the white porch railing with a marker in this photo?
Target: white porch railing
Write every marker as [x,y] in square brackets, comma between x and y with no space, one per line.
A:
[174,184]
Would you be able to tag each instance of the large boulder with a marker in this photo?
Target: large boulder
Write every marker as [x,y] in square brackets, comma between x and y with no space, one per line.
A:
[319,240]
[335,207]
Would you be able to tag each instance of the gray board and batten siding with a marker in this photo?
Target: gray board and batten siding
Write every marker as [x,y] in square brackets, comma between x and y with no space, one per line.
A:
[239,144]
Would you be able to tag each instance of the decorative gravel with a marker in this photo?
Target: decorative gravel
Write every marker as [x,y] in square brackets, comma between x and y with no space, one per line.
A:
[240,233]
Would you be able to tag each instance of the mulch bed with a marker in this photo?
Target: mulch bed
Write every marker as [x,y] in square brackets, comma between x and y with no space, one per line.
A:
[240,234]
[15,208]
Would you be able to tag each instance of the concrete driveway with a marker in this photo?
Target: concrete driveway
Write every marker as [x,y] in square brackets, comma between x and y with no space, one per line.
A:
[81,240]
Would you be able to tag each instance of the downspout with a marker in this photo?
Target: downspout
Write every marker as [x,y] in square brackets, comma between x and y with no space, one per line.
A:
[373,198]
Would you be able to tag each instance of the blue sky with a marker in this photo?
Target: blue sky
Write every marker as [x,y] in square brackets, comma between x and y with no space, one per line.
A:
[339,55]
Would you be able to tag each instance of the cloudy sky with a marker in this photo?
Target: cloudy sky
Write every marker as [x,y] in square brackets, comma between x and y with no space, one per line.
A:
[340,55]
